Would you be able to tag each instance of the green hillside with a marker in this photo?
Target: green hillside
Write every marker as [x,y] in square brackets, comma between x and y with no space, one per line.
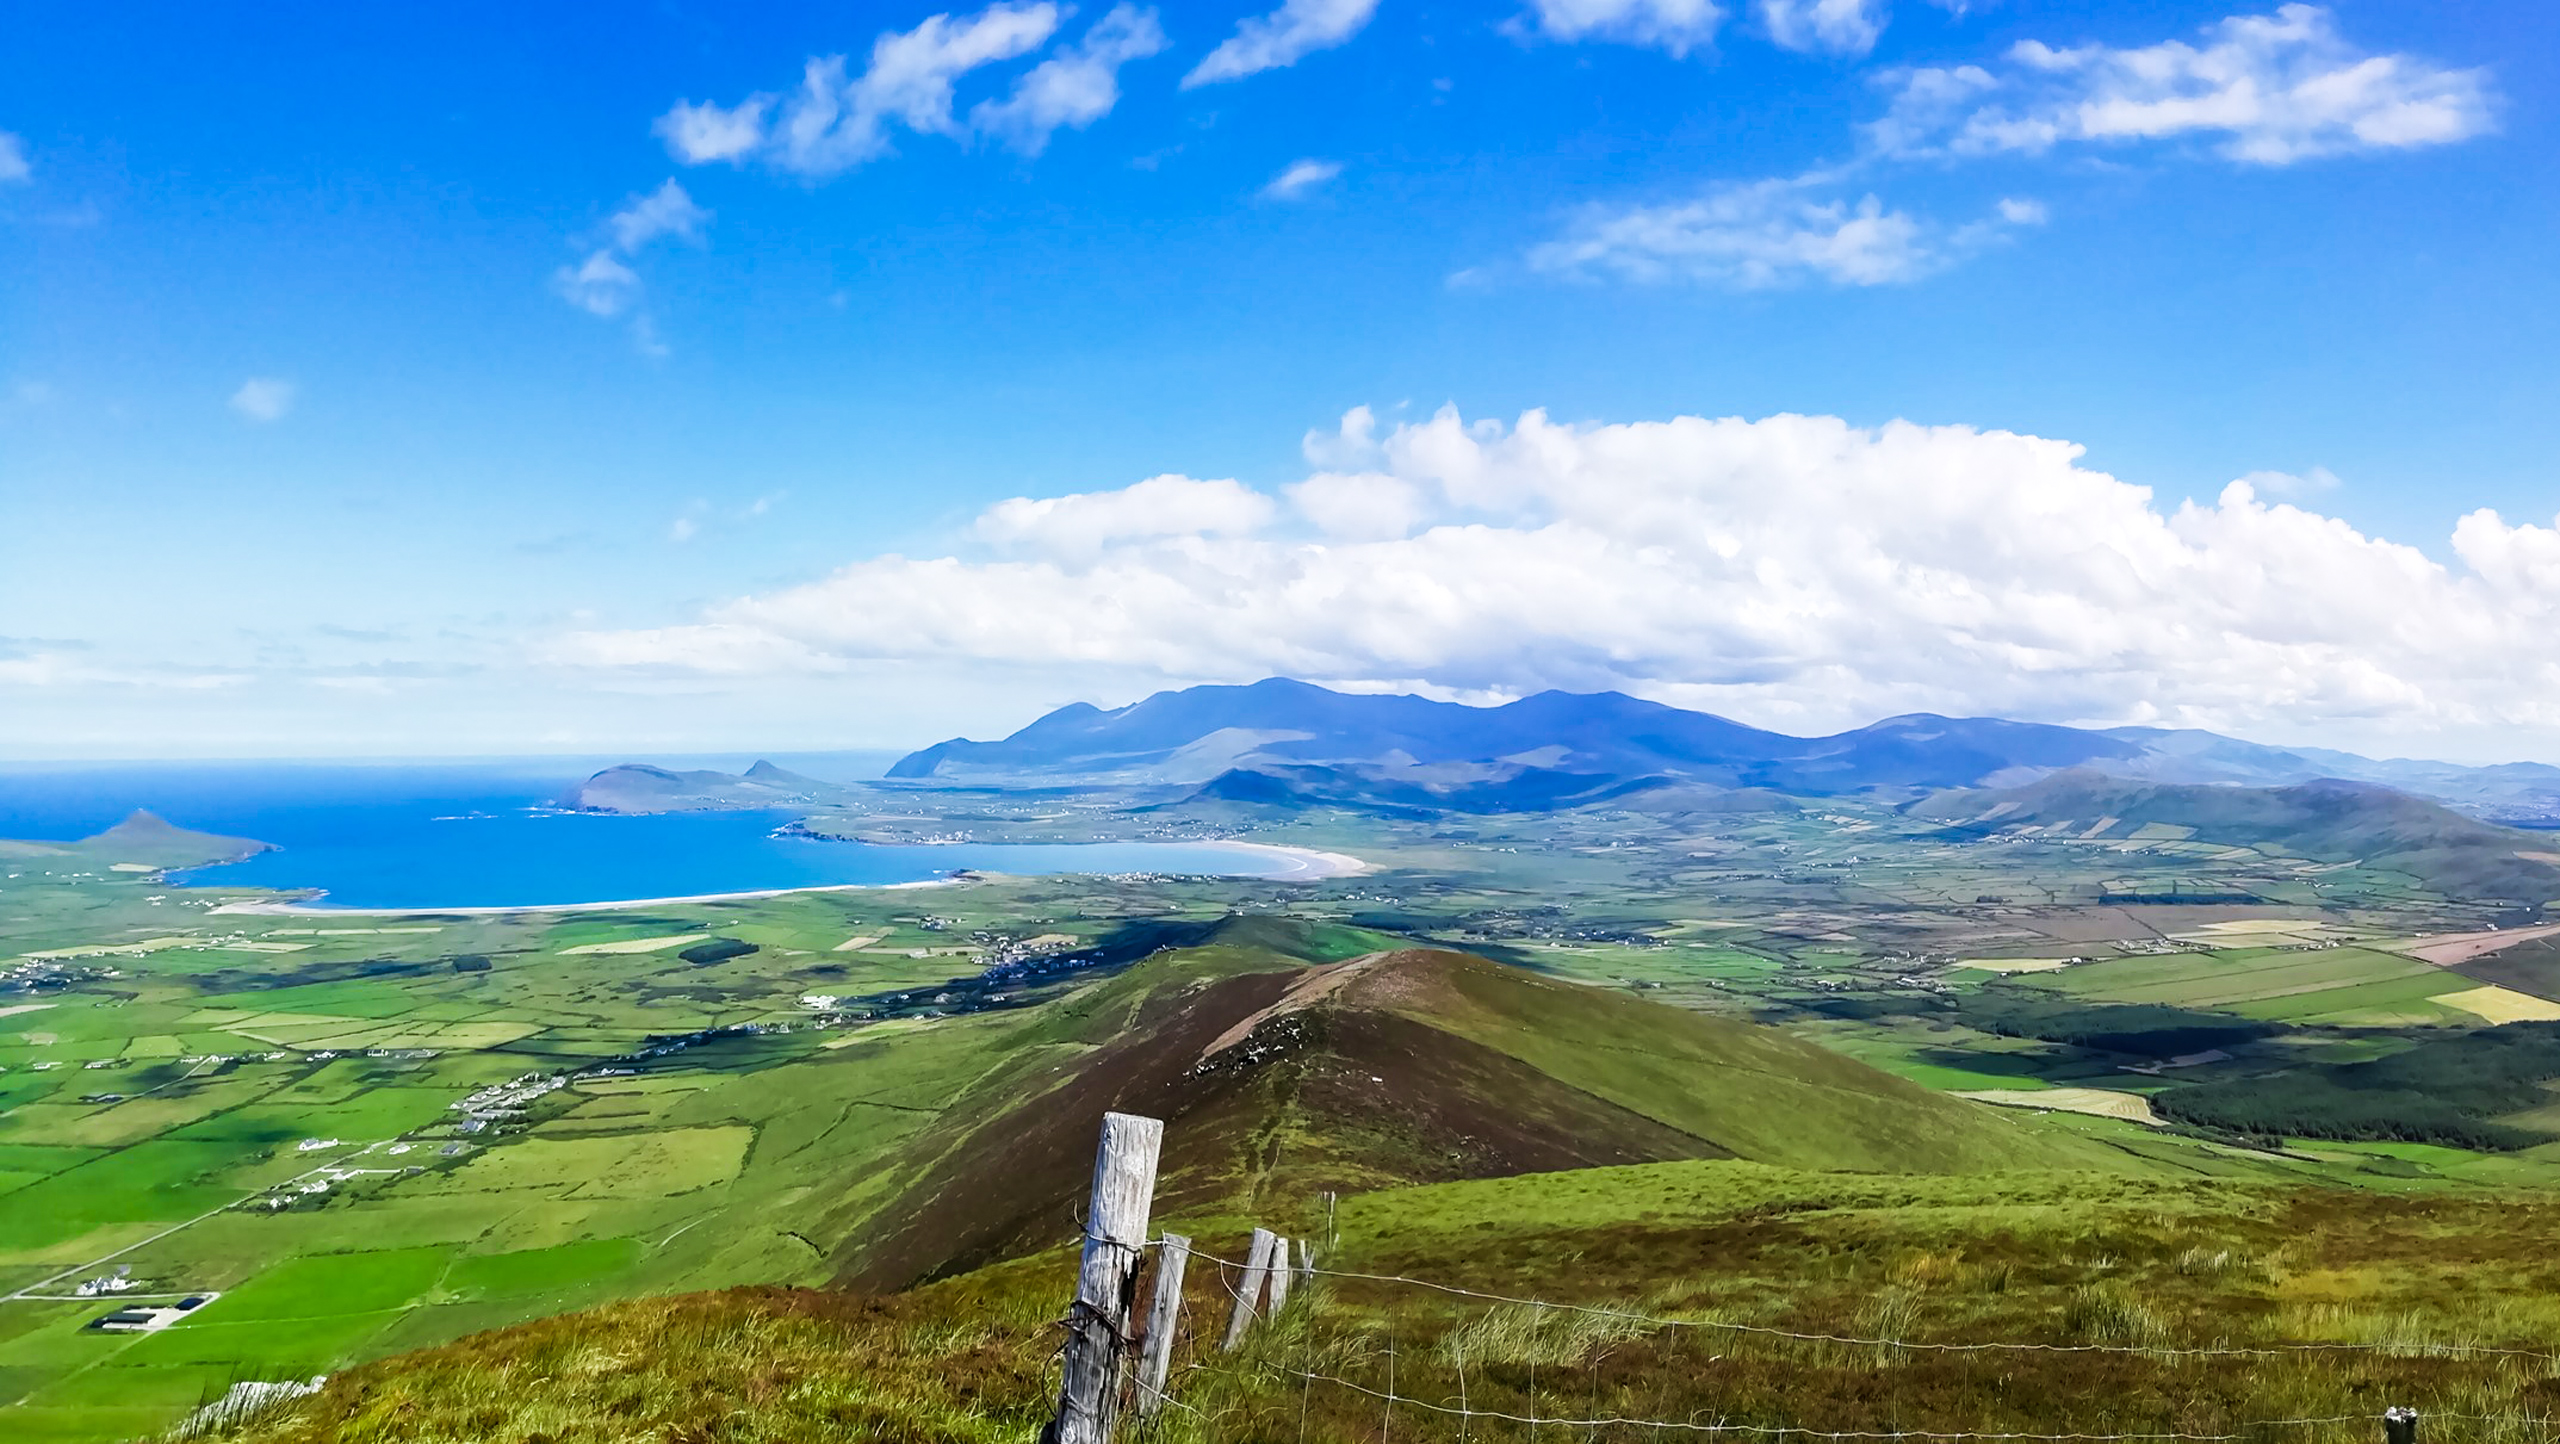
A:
[1281,1078]
[2328,821]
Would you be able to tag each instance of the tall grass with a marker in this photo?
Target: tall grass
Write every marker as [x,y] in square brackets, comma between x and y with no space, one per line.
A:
[970,1359]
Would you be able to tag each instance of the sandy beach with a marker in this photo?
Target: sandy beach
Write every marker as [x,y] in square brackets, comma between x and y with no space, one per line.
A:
[1306,864]
[1302,865]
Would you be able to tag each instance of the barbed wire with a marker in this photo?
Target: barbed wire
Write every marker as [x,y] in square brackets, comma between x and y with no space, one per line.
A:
[2276,1350]
[2241,1431]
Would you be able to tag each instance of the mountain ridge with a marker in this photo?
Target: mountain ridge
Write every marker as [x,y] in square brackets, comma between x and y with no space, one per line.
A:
[2326,820]
[1407,751]
[1284,1069]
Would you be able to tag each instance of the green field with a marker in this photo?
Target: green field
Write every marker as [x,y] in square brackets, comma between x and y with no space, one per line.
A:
[710,1129]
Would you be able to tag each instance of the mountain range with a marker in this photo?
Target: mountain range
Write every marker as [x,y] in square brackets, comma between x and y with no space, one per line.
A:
[1286,741]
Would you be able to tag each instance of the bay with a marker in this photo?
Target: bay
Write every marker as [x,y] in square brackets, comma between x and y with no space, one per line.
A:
[471,836]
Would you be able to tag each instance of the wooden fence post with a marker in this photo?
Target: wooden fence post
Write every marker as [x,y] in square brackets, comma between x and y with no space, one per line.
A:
[1281,1274]
[1257,1264]
[1306,1262]
[1163,1318]
[2400,1425]
[1115,1242]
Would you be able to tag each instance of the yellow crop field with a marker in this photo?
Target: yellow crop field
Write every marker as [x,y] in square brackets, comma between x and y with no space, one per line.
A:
[632,945]
[2098,1102]
[2501,1005]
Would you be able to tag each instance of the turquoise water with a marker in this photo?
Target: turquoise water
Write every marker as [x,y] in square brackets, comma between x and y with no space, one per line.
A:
[450,837]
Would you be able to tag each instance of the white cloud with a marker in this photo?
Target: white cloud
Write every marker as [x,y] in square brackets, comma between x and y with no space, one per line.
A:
[833,122]
[1074,88]
[1352,443]
[2285,483]
[1676,26]
[604,284]
[666,211]
[1083,524]
[698,134]
[263,398]
[1761,235]
[1749,237]
[2263,89]
[1282,38]
[13,159]
[1300,177]
[1839,27]
[1360,506]
[600,285]
[1790,568]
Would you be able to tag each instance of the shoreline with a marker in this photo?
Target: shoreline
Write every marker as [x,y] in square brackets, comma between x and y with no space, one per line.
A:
[1311,865]
[1308,865]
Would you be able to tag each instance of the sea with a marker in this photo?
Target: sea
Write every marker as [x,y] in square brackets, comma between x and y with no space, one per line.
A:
[482,835]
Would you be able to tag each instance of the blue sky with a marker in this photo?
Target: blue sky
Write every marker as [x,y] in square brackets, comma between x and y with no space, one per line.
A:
[377,384]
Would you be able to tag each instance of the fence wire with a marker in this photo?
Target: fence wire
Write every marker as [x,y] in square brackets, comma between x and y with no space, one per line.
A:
[1229,1270]
[1535,1421]
[2150,1351]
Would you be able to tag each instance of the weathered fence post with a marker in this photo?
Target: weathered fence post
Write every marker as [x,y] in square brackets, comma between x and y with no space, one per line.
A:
[1115,1241]
[1164,1316]
[1306,1262]
[2400,1425]
[1281,1274]
[1257,1264]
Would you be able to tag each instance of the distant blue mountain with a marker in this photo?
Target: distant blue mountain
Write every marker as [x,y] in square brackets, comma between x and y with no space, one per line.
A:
[1299,741]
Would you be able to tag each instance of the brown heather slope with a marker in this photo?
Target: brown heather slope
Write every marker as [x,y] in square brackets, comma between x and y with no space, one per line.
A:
[1279,1080]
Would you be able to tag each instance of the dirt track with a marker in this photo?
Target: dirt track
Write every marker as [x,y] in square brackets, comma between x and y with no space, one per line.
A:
[2447,949]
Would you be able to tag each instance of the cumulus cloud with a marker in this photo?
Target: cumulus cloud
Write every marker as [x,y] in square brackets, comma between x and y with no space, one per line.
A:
[2261,89]
[1767,234]
[1084,524]
[1299,177]
[1282,38]
[1838,27]
[263,398]
[13,159]
[836,121]
[1360,506]
[1074,88]
[1675,26]
[1792,567]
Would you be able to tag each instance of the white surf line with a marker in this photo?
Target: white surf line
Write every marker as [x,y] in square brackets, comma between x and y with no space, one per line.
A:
[320,910]
[1307,865]
[28,1293]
